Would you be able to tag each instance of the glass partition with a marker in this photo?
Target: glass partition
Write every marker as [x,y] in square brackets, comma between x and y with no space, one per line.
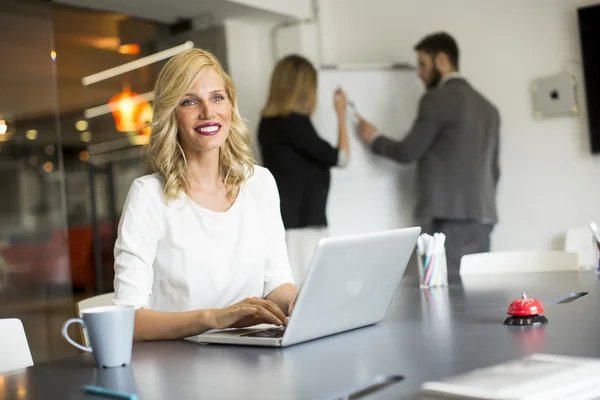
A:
[35,268]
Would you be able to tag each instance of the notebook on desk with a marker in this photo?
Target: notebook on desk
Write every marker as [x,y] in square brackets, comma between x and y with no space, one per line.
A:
[350,284]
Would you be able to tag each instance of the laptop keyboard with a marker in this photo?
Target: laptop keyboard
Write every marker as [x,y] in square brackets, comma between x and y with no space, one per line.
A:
[267,333]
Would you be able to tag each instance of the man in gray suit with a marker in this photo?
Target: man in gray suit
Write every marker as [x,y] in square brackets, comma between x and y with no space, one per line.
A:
[455,143]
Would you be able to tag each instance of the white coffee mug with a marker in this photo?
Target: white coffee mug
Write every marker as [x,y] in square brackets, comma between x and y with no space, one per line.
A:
[109,331]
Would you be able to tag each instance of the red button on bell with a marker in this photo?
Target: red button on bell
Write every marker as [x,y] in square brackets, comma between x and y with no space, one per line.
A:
[525,312]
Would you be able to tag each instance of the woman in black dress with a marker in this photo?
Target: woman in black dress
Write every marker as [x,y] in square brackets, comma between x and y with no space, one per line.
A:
[298,157]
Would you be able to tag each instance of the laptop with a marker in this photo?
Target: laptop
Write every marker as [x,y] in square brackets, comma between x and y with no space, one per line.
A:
[350,284]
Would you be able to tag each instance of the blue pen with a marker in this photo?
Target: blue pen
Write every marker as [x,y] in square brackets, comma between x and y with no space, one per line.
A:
[109,393]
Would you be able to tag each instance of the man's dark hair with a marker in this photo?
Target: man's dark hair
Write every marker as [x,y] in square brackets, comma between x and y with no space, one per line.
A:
[440,43]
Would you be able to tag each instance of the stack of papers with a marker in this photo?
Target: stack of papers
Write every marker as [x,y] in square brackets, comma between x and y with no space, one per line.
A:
[538,376]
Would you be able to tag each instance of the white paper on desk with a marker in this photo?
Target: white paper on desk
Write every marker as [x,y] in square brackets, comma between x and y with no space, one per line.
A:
[539,376]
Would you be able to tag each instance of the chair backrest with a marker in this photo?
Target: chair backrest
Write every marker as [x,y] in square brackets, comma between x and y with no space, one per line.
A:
[518,262]
[96,301]
[14,349]
[581,241]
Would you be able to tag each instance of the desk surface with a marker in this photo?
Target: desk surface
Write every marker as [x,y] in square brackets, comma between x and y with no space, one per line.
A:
[427,335]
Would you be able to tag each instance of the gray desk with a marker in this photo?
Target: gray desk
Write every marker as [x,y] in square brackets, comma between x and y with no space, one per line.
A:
[428,334]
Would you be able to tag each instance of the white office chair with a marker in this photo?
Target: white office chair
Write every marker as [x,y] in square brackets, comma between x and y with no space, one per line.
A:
[501,262]
[581,241]
[14,349]
[96,301]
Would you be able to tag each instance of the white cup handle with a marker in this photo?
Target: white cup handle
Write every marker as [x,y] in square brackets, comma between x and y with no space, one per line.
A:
[71,341]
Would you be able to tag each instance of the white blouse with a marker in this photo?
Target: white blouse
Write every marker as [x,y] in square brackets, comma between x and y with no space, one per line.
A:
[180,256]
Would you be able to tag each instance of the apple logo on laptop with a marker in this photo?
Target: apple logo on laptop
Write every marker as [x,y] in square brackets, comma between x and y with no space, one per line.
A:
[354,287]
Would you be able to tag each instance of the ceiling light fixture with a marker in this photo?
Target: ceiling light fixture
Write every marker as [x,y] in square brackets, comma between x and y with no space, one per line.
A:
[131,49]
[31,134]
[81,125]
[105,108]
[85,137]
[139,63]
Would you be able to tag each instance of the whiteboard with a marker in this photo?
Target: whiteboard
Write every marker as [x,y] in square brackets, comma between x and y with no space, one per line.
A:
[371,193]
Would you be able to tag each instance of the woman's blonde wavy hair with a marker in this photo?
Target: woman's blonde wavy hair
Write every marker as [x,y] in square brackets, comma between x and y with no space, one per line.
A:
[165,153]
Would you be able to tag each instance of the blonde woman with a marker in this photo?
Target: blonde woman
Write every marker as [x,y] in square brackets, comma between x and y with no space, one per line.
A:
[298,158]
[201,243]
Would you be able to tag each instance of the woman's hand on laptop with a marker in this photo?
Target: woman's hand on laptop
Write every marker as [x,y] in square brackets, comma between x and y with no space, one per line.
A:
[248,312]
[284,296]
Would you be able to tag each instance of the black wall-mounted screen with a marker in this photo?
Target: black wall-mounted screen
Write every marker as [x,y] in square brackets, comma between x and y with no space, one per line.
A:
[589,32]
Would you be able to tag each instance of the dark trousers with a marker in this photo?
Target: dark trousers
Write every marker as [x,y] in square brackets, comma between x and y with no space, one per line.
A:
[462,237]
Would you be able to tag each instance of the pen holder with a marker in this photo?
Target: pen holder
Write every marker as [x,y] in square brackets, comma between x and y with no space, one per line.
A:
[433,270]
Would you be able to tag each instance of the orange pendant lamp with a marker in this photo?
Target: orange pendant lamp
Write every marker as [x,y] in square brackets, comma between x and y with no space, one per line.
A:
[129,110]
[145,120]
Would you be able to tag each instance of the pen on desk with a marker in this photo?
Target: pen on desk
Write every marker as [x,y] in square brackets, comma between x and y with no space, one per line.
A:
[109,393]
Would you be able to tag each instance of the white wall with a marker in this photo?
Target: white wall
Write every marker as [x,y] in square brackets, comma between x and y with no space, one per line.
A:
[300,38]
[550,180]
[250,60]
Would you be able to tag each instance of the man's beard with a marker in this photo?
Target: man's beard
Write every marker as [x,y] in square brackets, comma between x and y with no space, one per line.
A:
[436,77]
